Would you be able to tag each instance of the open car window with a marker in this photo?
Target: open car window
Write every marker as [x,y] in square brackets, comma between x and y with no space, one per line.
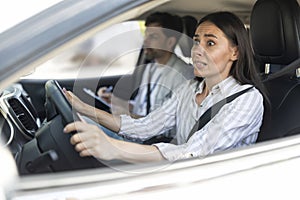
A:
[113,51]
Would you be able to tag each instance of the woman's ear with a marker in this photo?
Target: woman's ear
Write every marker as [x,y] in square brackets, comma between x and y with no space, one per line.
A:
[235,53]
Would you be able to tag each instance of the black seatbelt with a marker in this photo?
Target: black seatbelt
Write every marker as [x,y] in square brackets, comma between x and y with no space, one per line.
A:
[286,70]
[148,96]
[213,110]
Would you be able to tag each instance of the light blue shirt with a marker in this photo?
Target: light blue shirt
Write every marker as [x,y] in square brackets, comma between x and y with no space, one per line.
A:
[164,79]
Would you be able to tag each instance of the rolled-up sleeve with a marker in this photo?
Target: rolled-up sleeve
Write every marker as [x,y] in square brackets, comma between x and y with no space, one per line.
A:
[157,122]
[174,152]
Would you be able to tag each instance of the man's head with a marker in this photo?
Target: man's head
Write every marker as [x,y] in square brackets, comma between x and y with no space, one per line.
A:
[163,31]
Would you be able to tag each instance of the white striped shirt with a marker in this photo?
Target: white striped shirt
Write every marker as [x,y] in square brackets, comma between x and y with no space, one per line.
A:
[236,124]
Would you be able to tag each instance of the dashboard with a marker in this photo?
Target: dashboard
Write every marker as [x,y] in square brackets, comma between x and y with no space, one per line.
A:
[40,146]
[18,119]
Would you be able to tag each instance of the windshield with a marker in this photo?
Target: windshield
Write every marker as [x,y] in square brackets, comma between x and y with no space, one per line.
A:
[16,11]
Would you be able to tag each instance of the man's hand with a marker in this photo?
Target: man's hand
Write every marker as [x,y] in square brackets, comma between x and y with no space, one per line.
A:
[105,93]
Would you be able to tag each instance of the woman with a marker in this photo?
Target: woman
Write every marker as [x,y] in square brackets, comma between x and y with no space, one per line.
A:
[222,56]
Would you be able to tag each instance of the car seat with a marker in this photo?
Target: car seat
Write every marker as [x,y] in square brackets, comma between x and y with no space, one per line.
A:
[275,35]
[186,41]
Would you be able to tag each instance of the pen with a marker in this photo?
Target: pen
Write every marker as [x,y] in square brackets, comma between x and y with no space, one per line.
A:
[109,89]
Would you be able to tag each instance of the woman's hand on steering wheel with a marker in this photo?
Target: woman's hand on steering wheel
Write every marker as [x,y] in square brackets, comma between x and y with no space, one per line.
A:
[76,103]
[89,140]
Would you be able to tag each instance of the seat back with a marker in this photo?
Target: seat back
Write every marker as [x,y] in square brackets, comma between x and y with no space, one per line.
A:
[186,40]
[275,35]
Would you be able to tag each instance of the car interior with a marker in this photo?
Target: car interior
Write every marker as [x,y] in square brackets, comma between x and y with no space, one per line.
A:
[34,112]
[276,45]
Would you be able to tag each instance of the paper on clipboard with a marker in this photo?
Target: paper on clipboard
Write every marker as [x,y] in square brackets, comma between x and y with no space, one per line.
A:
[91,93]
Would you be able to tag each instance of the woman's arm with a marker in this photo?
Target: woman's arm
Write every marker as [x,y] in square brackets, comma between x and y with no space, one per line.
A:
[92,141]
[105,119]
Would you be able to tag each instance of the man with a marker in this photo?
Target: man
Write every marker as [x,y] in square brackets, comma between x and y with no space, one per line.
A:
[164,71]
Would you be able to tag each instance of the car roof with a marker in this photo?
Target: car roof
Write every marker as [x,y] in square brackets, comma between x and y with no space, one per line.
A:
[197,8]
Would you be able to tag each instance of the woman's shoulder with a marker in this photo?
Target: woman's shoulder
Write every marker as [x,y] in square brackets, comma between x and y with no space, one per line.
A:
[232,86]
[251,92]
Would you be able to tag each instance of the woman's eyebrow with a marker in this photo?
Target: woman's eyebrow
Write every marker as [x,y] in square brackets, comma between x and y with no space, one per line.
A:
[206,35]
[196,36]
[210,35]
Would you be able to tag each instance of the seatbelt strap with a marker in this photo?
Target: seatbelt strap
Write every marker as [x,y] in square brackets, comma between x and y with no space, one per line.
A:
[148,95]
[212,111]
[286,70]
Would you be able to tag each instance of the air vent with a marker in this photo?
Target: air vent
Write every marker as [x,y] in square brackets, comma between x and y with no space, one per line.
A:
[23,115]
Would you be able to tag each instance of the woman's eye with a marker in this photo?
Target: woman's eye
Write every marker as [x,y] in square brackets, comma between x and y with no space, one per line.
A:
[210,43]
[196,42]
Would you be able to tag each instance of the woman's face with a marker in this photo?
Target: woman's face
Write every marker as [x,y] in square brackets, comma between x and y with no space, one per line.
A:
[212,53]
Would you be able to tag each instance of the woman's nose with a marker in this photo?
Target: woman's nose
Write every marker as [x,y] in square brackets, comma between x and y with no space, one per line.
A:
[197,49]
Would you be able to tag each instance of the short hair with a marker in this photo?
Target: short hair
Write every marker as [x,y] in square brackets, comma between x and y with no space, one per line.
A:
[168,22]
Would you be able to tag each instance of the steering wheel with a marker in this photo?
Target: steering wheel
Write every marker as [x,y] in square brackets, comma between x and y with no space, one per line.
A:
[59,103]
[51,150]
[59,114]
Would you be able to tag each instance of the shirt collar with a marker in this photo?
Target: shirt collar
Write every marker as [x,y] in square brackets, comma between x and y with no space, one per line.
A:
[224,86]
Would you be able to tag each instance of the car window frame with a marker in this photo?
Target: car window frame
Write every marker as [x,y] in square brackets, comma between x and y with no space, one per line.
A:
[67,22]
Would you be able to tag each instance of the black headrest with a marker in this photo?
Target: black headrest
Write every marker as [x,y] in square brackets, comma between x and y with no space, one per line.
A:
[275,31]
[186,40]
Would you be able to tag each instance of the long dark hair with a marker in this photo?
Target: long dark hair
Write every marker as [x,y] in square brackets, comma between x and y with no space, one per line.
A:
[244,68]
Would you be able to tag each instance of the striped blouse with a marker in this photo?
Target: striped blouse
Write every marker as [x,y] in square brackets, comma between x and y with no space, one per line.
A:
[237,123]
